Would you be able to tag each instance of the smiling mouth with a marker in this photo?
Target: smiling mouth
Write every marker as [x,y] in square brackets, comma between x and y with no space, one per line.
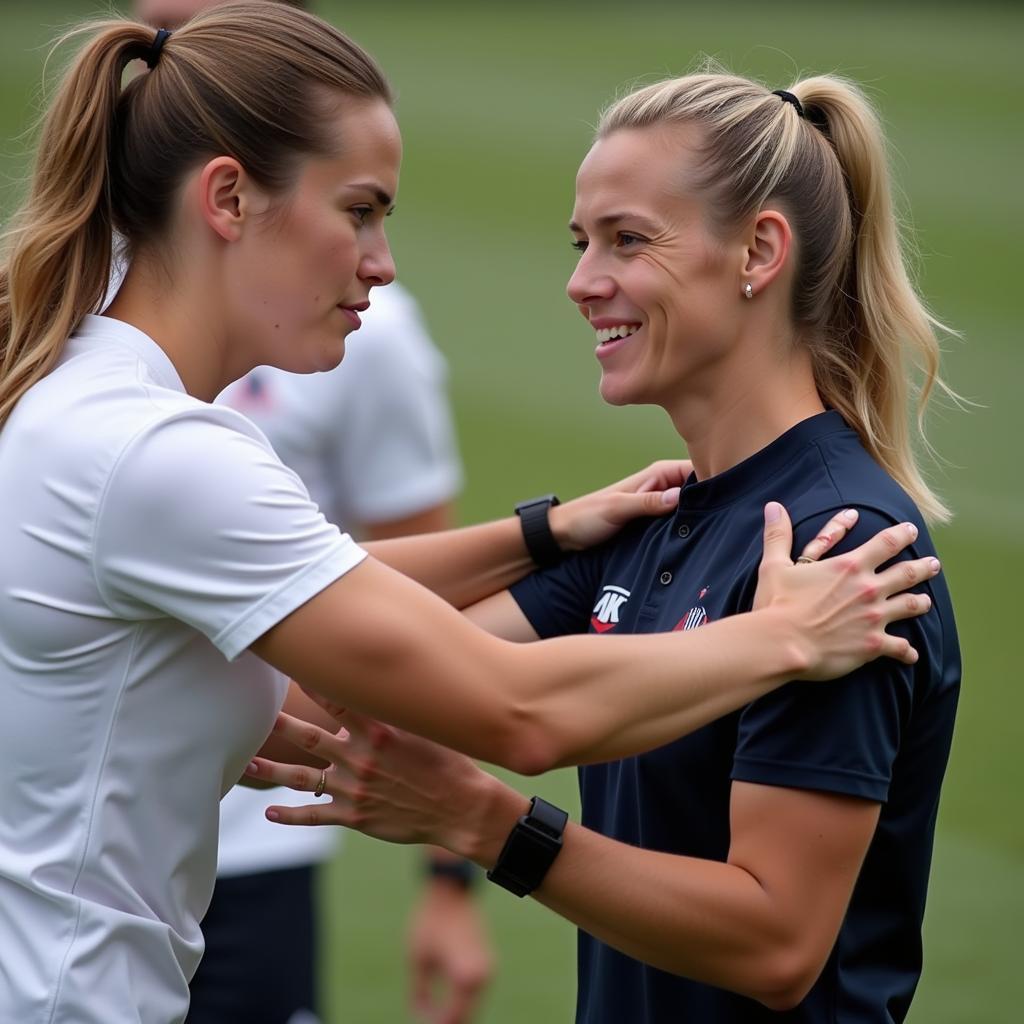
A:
[609,334]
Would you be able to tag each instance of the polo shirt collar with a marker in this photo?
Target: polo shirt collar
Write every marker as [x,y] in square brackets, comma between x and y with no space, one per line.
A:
[750,475]
[96,329]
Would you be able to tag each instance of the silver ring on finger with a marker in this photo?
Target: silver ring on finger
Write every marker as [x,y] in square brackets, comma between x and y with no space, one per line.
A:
[804,560]
[319,791]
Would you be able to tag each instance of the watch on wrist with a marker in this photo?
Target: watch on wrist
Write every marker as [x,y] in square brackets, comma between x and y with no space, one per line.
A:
[540,541]
[530,849]
[461,873]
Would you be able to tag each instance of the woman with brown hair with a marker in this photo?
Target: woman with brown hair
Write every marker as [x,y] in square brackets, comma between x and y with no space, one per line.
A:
[741,267]
[164,574]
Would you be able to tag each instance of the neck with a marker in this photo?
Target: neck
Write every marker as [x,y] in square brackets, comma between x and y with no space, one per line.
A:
[183,317]
[745,407]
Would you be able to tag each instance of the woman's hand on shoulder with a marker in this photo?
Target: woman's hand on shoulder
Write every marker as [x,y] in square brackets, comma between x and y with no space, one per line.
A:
[595,517]
[837,609]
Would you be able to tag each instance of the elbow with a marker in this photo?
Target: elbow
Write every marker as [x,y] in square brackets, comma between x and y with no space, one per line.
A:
[786,980]
[526,745]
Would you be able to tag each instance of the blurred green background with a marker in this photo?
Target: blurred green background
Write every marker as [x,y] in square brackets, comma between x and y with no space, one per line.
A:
[497,103]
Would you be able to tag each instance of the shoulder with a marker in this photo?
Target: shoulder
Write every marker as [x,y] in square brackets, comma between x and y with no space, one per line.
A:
[836,472]
[393,338]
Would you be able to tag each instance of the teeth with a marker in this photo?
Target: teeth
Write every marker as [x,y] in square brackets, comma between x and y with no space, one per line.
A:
[621,331]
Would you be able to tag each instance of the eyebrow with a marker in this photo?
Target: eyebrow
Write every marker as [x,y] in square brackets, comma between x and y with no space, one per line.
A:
[379,194]
[608,219]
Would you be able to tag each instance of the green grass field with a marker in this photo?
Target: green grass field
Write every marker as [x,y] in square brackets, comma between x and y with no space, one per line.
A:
[496,103]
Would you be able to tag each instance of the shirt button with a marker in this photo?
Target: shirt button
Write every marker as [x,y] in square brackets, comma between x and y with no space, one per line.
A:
[666,578]
[684,531]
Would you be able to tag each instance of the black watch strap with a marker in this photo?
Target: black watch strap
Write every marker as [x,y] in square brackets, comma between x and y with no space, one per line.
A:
[461,873]
[530,849]
[540,541]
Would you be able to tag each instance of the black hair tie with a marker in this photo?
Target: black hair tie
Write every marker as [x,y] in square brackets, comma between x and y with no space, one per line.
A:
[152,56]
[788,97]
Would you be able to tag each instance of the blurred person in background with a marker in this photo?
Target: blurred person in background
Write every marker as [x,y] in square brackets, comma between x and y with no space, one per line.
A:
[741,265]
[374,444]
[165,575]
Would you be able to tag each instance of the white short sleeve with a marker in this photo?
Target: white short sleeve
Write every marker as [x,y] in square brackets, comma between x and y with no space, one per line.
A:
[394,453]
[200,521]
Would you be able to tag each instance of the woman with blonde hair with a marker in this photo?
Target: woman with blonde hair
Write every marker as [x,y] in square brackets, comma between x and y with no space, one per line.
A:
[741,267]
[164,574]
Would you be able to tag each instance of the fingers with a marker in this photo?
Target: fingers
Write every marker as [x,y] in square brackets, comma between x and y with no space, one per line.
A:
[422,987]
[300,777]
[310,814]
[626,507]
[886,545]
[310,737]
[830,534]
[778,534]
[897,647]
[907,574]
[462,999]
[334,710]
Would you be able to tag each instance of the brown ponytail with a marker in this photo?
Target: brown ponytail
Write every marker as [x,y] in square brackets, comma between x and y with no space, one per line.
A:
[248,80]
[60,242]
[865,326]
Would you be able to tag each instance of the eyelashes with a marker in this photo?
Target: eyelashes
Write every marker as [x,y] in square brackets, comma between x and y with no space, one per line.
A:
[623,240]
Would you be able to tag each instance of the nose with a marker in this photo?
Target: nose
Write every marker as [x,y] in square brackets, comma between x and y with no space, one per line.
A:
[377,266]
[588,283]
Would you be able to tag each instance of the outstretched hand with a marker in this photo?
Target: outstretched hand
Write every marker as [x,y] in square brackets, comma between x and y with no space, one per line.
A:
[383,781]
[841,606]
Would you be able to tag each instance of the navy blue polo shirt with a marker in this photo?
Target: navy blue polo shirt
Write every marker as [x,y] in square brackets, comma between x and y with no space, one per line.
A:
[882,733]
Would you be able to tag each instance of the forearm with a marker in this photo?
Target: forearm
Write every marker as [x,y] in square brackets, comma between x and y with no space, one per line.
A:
[592,713]
[525,706]
[707,920]
[462,566]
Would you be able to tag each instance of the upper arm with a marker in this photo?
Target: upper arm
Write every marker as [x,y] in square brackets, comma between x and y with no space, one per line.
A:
[805,849]
[558,601]
[380,643]
[500,615]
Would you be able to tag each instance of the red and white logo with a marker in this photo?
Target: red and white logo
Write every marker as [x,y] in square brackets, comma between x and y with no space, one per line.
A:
[695,617]
[606,611]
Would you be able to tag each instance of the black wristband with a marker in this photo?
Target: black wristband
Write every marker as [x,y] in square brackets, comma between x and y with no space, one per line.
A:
[540,541]
[461,873]
[530,849]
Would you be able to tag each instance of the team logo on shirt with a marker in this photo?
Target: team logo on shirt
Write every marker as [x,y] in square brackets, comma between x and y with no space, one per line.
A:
[606,612]
[695,617]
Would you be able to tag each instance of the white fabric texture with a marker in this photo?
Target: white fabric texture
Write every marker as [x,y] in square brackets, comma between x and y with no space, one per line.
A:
[148,538]
[372,441]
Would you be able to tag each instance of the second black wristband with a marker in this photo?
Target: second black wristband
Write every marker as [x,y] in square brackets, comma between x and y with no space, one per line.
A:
[537,535]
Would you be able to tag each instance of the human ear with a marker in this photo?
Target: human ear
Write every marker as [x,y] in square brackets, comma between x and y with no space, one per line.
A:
[768,247]
[227,197]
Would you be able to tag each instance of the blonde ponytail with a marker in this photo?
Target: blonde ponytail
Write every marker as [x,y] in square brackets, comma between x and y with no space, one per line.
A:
[887,335]
[251,80]
[865,326]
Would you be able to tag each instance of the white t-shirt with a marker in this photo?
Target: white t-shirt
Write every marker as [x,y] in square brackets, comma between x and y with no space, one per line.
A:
[373,441]
[147,540]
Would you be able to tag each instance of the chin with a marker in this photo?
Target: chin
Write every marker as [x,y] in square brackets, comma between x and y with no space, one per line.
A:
[619,392]
[330,358]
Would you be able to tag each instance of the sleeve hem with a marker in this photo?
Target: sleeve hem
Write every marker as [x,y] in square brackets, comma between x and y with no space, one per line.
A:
[428,490]
[802,776]
[237,637]
[523,594]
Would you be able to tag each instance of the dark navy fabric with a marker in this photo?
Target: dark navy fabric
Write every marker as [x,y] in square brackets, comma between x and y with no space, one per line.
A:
[882,733]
